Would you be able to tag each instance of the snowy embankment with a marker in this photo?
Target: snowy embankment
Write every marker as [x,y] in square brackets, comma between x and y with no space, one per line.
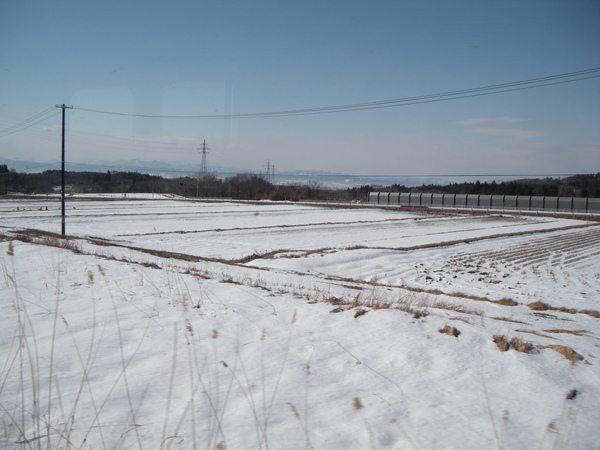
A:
[221,325]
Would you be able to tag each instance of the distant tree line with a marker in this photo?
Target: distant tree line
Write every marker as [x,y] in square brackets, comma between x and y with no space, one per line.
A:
[241,186]
[574,186]
[256,187]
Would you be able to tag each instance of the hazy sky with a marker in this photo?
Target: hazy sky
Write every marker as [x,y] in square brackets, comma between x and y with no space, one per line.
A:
[199,58]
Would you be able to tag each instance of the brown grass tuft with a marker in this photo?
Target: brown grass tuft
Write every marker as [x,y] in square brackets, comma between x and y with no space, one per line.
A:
[572,394]
[567,352]
[508,319]
[450,331]
[506,302]
[567,310]
[227,279]
[420,313]
[360,312]
[188,328]
[552,427]
[356,404]
[501,342]
[591,312]
[521,346]
[540,306]
[294,410]
[336,301]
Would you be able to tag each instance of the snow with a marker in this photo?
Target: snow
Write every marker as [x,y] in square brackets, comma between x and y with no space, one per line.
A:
[180,324]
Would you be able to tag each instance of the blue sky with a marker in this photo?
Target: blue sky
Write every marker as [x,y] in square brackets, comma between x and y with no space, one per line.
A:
[235,57]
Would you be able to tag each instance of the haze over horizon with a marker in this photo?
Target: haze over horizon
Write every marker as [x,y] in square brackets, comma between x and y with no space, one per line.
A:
[377,65]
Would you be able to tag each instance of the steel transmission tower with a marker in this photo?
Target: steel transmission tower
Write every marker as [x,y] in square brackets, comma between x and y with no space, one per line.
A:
[203,168]
[270,171]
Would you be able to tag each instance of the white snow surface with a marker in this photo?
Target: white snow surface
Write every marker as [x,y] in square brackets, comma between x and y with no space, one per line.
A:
[165,323]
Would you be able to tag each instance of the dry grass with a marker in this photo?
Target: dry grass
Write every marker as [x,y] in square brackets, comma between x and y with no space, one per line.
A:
[567,352]
[575,332]
[420,313]
[552,427]
[501,342]
[450,331]
[517,343]
[572,394]
[58,242]
[336,301]
[521,346]
[418,306]
[375,299]
[462,319]
[591,312]
[537,333]
[508,319]
[540,306]
[360,312]
[506,302]
[567,310]
[452,307]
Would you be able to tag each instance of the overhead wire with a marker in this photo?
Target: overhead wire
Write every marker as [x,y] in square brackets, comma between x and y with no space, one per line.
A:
[42,165]
[27,123]
[437,97]
[428,98]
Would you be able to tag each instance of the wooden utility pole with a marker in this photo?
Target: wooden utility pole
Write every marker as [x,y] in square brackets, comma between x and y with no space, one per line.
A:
[62,171]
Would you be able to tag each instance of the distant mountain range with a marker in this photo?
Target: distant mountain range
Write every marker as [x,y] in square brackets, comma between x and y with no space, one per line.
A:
[166,169]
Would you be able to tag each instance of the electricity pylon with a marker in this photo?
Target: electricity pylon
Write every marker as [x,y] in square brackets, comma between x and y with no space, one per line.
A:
[203,168]
[270,171]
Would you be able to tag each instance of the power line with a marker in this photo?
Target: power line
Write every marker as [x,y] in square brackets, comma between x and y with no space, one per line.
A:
[27,123]
[42,165]
[24,122]
[532,83]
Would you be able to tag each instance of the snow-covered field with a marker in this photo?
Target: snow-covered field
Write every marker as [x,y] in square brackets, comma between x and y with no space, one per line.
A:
[163,323]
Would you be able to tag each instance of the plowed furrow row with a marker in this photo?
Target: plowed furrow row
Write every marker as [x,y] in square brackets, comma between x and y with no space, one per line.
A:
[581,239]
[527,253]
